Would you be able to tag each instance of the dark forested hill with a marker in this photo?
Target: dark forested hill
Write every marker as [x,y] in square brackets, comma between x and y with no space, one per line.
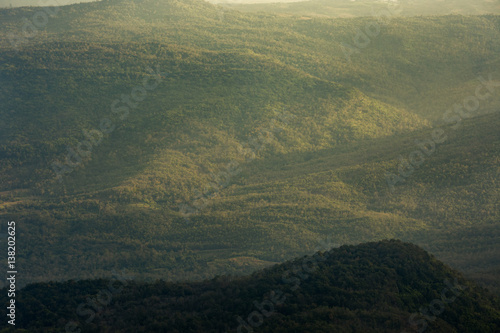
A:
[387,286]
[183,140]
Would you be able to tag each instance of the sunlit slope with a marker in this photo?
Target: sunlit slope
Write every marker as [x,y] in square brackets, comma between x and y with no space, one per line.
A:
[423,64]
[127,190]
[279,207]
[201,108]
[447,203]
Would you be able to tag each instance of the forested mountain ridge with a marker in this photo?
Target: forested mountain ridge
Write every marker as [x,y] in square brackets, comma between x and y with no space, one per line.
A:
[410,75]
[222,80]
[276,208]
[386,286]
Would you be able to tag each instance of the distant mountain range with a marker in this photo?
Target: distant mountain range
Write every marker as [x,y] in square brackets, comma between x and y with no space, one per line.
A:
[373,8]
[183,140]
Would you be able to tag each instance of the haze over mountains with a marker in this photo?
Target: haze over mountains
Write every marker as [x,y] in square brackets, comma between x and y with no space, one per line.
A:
[180,140]
[350,8]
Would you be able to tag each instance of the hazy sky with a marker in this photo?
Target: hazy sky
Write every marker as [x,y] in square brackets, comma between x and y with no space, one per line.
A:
[19,3]
[251,1]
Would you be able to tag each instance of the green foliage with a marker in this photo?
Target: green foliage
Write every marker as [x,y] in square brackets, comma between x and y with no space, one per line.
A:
[224,78]
[372,287]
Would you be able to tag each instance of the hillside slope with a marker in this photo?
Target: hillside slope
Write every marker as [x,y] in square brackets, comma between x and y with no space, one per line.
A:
[423,64]
[387,286]
[239,95]
[446,201]
[277,208]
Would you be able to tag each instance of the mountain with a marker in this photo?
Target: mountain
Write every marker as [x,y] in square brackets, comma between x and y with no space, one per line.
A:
[386,286]
[182,140]
[447,202]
